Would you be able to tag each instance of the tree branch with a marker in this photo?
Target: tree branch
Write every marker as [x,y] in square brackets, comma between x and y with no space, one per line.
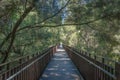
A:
[56,12]
[50,16]
[12,34]
[18,23]
[41,26]
[53,26]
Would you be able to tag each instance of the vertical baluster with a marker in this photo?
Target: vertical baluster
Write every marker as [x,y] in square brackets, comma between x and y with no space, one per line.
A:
[117,70]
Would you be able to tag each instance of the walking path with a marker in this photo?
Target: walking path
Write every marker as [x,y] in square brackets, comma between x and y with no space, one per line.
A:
[61,68]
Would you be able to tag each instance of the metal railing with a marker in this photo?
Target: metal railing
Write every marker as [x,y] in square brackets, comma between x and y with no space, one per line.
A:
[91,69]
[106,63]
[28,67]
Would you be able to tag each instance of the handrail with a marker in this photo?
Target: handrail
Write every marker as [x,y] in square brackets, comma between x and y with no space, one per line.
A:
[30,65]
[13,60]
[92,69]
[18,59]
[26,67]
[101,57]
[90,62]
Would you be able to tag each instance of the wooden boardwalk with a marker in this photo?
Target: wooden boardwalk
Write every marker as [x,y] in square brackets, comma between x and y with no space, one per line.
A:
[61,68]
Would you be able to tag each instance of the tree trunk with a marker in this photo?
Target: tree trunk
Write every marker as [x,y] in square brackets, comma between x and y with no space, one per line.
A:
[13,33]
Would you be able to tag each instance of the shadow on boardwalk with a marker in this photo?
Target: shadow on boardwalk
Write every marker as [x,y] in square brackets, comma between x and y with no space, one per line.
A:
[61,68]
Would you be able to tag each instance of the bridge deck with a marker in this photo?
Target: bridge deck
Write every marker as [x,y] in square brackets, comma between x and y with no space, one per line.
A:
[61,68]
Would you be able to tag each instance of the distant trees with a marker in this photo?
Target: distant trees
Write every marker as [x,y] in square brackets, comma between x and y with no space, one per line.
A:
[100,32]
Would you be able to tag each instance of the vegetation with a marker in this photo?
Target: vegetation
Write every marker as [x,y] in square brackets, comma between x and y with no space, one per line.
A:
[29,26]
[100,31]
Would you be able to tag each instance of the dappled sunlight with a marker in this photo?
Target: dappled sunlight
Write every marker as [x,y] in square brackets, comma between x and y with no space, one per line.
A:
[62,59]
[61,68]
[51,69]
[60,50]
[59,76]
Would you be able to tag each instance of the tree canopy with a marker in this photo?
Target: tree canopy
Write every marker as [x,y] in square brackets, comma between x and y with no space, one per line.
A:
[29,26]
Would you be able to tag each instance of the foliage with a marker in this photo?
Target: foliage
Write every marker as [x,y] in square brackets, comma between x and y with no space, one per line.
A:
[29,26]
[101,18]
[16,19]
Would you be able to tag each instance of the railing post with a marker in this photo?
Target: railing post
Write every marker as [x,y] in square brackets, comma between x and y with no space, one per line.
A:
[20,61]
[54,49]
[117,69]
[95,57]
[8,65]
[103,60]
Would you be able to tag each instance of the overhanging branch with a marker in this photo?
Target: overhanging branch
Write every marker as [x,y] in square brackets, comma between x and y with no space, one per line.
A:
[41,26]
[48,17]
